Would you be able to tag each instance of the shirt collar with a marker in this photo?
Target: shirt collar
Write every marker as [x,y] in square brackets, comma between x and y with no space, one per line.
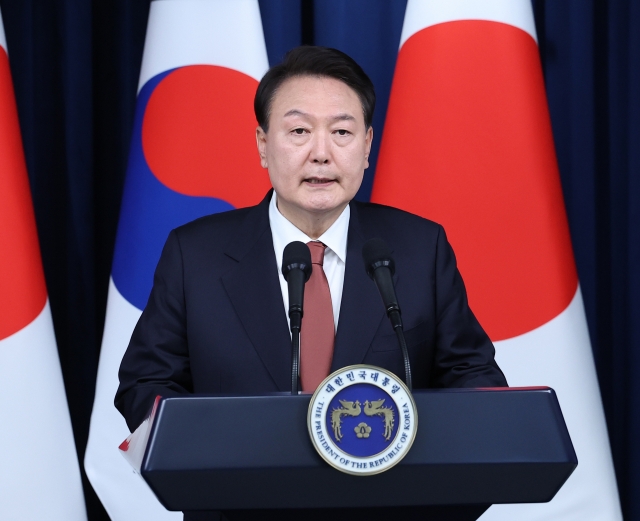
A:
[284,232]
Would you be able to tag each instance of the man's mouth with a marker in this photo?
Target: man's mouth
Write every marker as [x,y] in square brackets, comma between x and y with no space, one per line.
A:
[319,180]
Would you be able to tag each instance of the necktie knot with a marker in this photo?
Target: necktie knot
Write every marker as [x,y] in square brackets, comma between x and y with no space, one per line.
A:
[317,252]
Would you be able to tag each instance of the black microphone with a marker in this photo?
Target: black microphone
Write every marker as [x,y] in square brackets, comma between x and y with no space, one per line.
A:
[381,268]
[296,268]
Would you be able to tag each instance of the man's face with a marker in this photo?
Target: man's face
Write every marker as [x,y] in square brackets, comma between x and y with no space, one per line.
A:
[316,149]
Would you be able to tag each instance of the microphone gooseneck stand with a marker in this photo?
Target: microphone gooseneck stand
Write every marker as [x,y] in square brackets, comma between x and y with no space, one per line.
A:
[296,268]
[295,350]
[380,267]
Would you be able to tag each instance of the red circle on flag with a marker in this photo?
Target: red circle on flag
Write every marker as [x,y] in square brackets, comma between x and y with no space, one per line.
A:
[23,292]
[468,143]
[198,135]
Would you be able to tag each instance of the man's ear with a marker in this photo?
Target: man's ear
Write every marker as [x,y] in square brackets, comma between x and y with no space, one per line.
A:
[368,141]
[261,141]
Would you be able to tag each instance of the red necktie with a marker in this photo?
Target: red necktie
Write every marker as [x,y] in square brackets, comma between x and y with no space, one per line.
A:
[317,334]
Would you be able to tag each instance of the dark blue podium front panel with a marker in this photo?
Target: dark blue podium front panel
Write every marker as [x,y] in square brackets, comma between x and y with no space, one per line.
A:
[473,446]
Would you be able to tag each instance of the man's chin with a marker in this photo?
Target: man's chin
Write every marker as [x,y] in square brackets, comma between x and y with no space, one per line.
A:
[314,206]
[325,209]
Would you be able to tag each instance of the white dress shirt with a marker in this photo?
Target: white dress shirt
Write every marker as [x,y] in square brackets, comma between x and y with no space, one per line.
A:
[335,254]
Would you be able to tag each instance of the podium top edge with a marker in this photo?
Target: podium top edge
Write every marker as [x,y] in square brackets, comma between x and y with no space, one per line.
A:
[470,390]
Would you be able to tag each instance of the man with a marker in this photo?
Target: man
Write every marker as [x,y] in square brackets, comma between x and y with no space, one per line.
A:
[216,318]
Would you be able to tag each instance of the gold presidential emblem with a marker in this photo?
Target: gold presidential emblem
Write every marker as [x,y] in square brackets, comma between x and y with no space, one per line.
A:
[362,420]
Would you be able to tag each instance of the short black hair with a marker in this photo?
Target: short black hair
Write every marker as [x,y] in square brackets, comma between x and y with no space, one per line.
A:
[309,60]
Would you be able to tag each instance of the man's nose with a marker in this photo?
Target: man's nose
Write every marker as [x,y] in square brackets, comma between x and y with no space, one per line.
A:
[320,148]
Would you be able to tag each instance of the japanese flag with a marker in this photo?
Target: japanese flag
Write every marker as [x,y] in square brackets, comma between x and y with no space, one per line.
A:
[39,471]
[467,143]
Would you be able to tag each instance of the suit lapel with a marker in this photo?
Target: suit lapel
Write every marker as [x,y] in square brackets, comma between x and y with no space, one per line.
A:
[254,290]
[361,309]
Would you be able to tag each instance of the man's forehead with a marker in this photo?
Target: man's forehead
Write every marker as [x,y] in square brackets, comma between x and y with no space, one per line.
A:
[301,95]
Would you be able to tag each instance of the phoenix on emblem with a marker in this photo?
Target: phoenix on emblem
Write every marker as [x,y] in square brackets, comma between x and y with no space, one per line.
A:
[375,408]
[347,409]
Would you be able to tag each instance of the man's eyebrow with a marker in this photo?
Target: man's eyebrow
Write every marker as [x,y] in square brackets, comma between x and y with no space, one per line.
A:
[337,117]
[343,117]
[295,112]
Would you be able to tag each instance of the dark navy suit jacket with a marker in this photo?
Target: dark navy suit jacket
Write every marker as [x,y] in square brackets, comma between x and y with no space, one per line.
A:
[215,321]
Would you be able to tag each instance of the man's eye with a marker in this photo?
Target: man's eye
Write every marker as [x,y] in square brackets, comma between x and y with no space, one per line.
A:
[342,132]
[298,131]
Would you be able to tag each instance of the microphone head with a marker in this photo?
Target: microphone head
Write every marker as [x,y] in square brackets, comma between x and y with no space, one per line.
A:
[376,253]
[296,255]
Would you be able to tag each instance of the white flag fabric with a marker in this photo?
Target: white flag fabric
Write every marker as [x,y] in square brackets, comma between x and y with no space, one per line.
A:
[39,471]
[193,146]
[468,143]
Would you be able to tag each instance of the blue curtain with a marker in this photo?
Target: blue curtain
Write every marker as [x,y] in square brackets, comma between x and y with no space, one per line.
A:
[75,65]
